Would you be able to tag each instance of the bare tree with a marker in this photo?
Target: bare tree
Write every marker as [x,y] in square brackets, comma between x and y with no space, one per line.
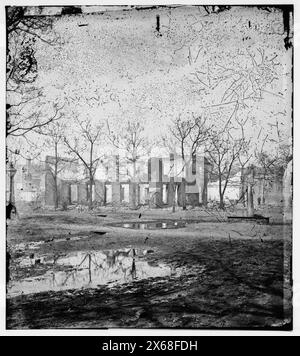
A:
[130,138]
[23,31]
[53,139]
[272,165]
[20,124]
[190,135]
[224,152]
[19,21]
[244,157]
[233,79]
[84,147]
[25,101]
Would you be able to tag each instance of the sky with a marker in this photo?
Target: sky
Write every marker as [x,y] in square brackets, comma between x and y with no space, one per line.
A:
[115,66]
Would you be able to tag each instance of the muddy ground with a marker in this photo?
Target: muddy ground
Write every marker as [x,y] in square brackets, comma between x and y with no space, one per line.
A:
[71,269]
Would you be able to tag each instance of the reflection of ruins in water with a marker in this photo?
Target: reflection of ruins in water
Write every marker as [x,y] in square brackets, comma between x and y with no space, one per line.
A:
[153,225]
[89,270]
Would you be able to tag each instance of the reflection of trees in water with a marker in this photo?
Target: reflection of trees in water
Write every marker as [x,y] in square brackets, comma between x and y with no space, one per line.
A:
[112,264]
[133,268]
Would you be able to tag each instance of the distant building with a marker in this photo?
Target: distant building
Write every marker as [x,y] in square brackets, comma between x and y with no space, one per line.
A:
[267,188]
[29,182]
[67,172]
[157,182]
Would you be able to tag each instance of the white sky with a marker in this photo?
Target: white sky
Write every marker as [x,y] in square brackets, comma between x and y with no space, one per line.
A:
[117,68]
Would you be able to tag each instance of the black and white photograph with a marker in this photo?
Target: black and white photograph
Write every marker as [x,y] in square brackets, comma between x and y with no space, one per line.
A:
[149,166]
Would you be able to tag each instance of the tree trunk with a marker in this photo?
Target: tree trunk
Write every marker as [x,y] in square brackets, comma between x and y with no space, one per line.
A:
[221,205]
[174,197]
[91,177]
[242,192]
[172,182]
[221,194]
[250,203]
[134,188]
[90,190]
[55,193]
[183,184]
[183,194]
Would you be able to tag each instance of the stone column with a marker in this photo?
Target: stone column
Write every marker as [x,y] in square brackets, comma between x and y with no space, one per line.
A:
[250,202]
[200,179]
[65,192]
[49,189]
[74,193]
[116,193]
[99,192]
[171,185]
[155,182]
[82,193]
[133,194]
[206,169]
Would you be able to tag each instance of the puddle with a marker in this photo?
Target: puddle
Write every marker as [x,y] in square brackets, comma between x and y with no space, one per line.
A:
[152,225]
[88,270]
[36,244]
[30,245]
[73,238]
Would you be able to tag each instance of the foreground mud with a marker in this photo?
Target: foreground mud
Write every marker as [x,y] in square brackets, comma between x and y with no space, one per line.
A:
[204,275]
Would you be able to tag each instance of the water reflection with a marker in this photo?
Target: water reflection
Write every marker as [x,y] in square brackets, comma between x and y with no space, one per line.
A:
[152,225]
[89,270]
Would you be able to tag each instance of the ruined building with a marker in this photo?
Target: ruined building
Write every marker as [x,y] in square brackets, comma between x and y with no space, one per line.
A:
[29,182]
[156,182]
